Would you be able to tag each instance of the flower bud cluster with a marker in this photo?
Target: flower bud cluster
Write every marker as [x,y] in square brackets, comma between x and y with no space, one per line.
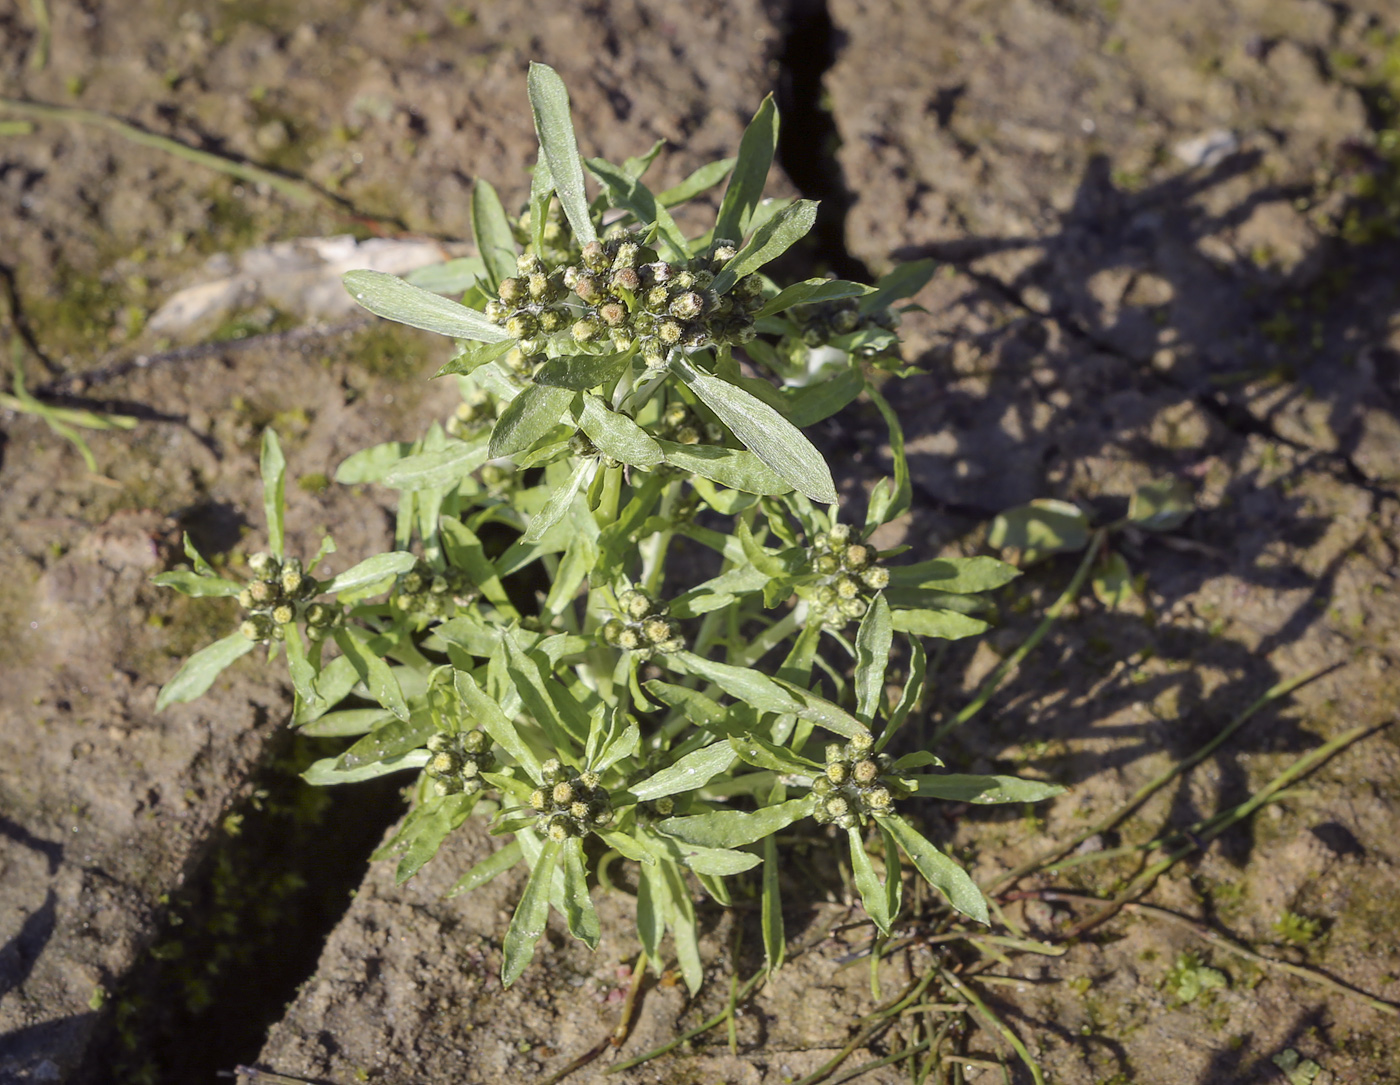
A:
[570,804]
[634,299]
[459,758]
[820,323]
[475,411]
[560,247]
[679,423]
[850,575]
[428,593]
[853,786]
[278,595]
[582,446]
[642,626]
[529,306]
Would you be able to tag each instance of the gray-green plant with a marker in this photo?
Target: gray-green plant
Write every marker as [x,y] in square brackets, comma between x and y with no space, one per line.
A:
[548,646]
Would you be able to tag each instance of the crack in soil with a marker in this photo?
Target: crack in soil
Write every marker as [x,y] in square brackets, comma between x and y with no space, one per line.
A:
[808,137]
[246,929]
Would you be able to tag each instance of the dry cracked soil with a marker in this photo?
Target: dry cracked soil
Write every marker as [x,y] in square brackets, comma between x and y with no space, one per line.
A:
[1167,234]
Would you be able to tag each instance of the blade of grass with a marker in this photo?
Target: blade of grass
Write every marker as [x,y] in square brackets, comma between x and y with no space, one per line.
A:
[39,59]
[995,1023]
[1301,767]
[616,1038]
[293,188]
[875,1064]
[871,1025]
[1229,945]
[1011,662]
[705,1026]
[1275,693]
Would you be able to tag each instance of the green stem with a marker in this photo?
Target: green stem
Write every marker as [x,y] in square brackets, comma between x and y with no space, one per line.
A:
[40,59]
[654,549]
[1282,689]
[996,1023]
[1147,878]
[699,1029]
[1007,665]
[769,639]
[872,1024]
[1231,946]
[294,189]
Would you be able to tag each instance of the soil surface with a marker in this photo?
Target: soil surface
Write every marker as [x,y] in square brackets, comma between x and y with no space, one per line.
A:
[1167,238]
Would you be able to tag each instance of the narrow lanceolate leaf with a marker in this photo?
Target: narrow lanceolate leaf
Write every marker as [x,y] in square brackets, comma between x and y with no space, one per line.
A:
[624,741]
[440,469]
[491,229]
[954,575]
[770,436]
[986,790]
[473,356]
[819,710]
[745,190]
[630,194]
[810,405]
[769,241]
[373,671]
[739,469]
[872,890]
[938,870]
[873,643]
[371,571]
[549,102]
[697,707]
[551,704]
[894,883]
[198,674]
[274,480]
[369,464]
[617,435]
[774,937]
[707,176]
[684,935]
[653,903]
[626,845]
[423,835]
[903,282]
[302,672]
[719,862]
[742,683]
[531,914]
[762,754]
[582,372]
[558,504]
[637,165]
[346,723]
[390,297]
[735,828]
[450,277]
[578,905]
[541,192]
[496,863]
[189,582]
[531,414]
[810,292]
[945,624]
[488,715]
[394,739]
[325,772]
[692,771]
[202,567]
